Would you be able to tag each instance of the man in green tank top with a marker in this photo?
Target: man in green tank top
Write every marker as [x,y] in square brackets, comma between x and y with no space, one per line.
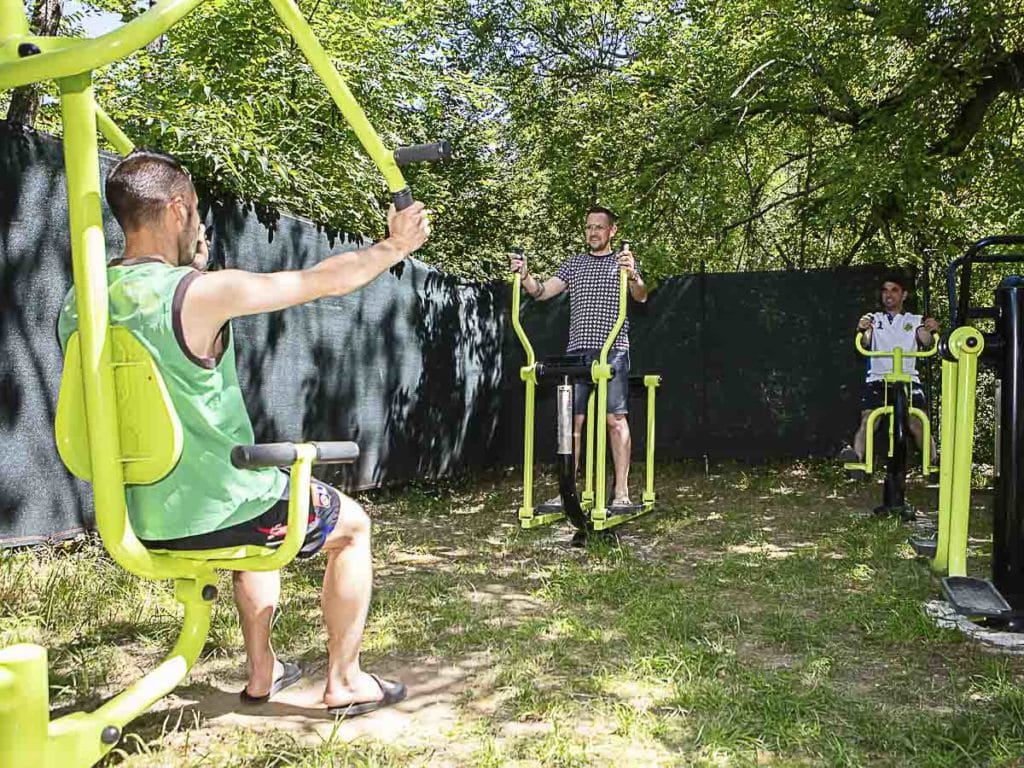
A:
[182,315]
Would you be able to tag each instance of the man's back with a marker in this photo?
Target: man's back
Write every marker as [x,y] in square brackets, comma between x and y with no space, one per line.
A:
[204,492]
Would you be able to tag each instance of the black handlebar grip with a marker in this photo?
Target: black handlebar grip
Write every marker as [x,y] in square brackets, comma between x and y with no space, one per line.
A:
[283,454]
[263,455]
[424,153]
[336,452]
[402,199]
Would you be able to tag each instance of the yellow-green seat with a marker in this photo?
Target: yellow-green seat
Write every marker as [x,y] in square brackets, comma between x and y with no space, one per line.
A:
[150,438]
[148,426]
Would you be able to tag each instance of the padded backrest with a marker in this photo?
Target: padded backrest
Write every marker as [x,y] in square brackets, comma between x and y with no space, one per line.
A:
[149,429]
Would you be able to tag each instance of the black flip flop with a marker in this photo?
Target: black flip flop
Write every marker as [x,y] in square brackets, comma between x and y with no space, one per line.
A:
[393,690]
[292,674]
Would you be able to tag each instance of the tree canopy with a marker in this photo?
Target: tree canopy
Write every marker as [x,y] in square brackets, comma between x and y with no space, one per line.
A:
[746,134]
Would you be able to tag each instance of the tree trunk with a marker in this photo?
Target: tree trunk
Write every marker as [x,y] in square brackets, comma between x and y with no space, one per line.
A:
[24,106]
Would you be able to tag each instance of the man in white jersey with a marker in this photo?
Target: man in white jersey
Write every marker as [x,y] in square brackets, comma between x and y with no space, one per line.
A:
[592,280]
[885,331]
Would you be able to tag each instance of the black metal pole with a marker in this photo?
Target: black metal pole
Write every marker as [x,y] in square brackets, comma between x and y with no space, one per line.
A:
[702,336]
[929,368]
[894,492]
[1008,515]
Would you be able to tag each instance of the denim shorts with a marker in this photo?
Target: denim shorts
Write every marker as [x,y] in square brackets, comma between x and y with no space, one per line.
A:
[618,387]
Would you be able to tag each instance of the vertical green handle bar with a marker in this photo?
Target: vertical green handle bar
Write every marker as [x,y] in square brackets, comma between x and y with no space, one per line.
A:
[601,374]
[947,430]
[966,345]
[528,373]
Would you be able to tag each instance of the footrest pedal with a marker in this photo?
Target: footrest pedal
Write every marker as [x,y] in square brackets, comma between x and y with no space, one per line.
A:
[975,597]
[924,546]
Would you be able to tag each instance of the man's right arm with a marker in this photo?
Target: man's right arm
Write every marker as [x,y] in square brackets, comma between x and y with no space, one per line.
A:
[538,290]
[214,298]
[866,325]
[543,291]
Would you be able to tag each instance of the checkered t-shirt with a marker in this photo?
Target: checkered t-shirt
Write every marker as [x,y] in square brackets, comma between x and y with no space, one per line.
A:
[593,301]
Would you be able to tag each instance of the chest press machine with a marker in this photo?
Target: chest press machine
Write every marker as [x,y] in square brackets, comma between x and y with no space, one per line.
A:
[899,409]
[116,424]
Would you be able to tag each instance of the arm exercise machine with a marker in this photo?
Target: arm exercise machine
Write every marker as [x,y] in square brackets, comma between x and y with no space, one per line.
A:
[588,512]
[898,407]
[116,424]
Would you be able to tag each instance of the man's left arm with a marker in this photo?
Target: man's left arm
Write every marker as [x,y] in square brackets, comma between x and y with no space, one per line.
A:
[637,288]
[925,331]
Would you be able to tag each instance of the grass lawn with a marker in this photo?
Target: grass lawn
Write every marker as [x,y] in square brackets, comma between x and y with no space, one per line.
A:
[761,616]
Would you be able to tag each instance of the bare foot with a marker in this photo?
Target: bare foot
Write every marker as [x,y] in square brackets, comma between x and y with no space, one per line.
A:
[262,677]
[363,688]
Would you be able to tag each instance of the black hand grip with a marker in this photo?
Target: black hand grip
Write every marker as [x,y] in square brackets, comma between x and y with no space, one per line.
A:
[424,153]
[283,454]
[402,199]
[517,250]
[336,452]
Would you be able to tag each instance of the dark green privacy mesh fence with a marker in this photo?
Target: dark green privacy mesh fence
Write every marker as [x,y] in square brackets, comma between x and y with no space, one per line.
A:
[422,369]
[754,365]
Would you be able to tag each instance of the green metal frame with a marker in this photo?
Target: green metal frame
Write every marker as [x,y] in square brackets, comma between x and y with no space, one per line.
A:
[959,383]
[528,373]
[594,497]
[28,739]
[896,377]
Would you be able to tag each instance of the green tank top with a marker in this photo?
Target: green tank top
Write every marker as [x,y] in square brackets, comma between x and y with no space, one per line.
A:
[204,492]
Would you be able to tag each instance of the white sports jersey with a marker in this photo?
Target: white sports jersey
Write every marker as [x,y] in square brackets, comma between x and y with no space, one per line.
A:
[891,332]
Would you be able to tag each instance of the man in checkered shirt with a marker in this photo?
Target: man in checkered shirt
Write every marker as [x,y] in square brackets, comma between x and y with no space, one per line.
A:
[592,280]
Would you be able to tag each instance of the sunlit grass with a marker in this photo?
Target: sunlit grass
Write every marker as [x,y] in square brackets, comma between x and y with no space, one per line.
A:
[761,617]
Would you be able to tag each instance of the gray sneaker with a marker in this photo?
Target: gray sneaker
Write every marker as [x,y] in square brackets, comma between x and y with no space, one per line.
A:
[849,456]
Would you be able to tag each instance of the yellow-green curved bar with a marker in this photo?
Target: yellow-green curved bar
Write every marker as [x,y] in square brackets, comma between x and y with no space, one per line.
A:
[384,159]
[619,320]
[65,57]
[896,376]
[601,373]
[858,343]
[517,325]
[62,58]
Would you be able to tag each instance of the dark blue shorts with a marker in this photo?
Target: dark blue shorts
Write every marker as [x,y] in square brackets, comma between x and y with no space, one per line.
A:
[618,387]
[269,529]
[872,395]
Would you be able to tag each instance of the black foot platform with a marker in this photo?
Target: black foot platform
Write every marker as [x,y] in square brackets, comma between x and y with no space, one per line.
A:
[975,597]
[546,509]
[924,546]
[617,510]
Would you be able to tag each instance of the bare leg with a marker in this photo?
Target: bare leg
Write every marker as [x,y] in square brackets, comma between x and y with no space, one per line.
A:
[860,439]
[622,448]
[577,438]
[917,430]
[345,601]
[256,596]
